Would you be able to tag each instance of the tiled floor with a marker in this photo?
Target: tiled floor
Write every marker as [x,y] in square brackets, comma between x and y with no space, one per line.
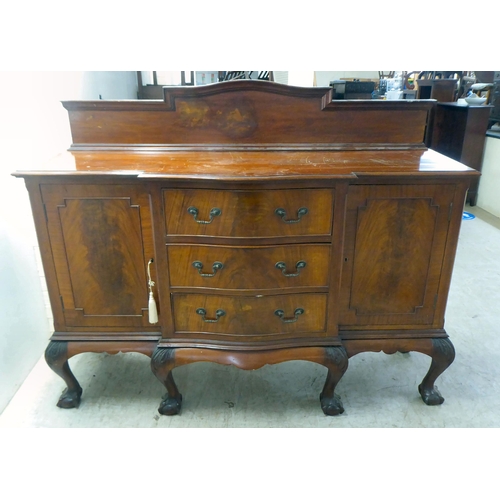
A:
[377,391]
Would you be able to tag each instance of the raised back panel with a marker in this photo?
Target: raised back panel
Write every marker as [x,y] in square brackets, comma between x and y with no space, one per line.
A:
[248,114]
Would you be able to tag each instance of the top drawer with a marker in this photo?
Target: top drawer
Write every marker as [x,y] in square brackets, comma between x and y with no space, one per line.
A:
[248,214]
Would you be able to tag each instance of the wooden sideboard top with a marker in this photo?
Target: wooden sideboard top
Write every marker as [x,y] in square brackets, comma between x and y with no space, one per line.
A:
[244,165]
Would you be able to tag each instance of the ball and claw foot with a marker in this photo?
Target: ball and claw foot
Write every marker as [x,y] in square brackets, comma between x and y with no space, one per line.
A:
[70,398]
[442,354]
[331,406]
[170,405]
[431,397]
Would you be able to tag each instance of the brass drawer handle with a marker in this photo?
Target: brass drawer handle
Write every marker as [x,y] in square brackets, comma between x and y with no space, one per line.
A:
[218,314]
[281,212]
[215,212]
[215,267]
[282,266]
[281,314]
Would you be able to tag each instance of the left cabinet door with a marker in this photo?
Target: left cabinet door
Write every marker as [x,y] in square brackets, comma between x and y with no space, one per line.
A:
[101,241]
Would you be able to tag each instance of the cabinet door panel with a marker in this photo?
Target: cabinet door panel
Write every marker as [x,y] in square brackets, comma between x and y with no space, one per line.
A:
[395,241]
[101,241]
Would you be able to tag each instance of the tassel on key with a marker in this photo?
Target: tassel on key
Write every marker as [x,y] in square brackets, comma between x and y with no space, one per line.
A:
[153,312]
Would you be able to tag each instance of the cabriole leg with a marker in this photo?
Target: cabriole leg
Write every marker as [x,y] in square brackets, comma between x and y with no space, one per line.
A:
[336,361]
[443,354]
[56,356]
[162,364]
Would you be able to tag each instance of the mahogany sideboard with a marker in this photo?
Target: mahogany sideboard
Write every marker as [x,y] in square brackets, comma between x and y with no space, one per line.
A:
[248,223]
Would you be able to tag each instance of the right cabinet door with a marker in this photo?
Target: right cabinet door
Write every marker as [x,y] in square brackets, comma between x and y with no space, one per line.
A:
[395,239]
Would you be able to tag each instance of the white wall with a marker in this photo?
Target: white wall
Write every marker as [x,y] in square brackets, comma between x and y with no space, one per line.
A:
[109,85]
[33,128]
[301,78]
[488,197]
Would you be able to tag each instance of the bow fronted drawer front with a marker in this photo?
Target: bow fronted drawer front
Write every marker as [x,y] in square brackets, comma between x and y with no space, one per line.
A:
[247,317]
[236,268]
[248,213]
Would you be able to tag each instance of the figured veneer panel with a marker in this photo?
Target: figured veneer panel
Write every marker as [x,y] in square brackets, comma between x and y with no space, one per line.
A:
[395,241]
[249,316]
[102,240]
[248,214]
[403,230]
[104,251]
[249,267]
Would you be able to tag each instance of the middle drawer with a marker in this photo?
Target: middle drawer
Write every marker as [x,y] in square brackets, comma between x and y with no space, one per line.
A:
[240,268]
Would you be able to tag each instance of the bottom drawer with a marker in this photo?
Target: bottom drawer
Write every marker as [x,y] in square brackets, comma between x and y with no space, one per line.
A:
[250,316]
